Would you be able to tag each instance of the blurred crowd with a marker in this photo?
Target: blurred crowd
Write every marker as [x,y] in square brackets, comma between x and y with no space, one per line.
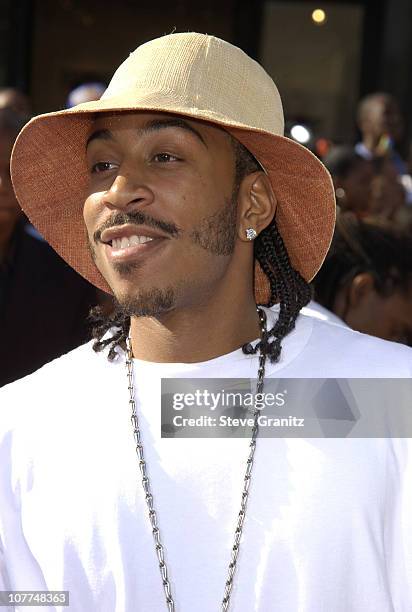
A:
[366,279]
[364,283]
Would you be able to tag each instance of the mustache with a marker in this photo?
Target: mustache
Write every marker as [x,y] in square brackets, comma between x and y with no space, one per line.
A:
[136,217]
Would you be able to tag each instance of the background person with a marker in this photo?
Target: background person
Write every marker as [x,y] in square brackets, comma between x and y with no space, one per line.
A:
[389,196]
[352,178]
[367,187]
[366,278]
[35,283]
[381,125]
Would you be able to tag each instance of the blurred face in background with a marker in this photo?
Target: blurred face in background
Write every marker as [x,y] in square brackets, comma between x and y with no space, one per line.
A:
[381,115]
[387,192]
[366,310]
[354,190]
[370,188]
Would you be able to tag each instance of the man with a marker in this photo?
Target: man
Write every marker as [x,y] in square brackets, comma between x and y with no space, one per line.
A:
[352,177]
[34,282]
[366,279]
[381,125]
[195,206]
[366,187]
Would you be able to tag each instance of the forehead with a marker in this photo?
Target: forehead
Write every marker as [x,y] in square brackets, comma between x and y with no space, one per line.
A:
[383,104]
[152,122]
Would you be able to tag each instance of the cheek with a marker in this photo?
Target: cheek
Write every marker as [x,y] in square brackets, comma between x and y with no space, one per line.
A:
[377,313]
[91,211]
[397,310]
[203,203]
[366,316]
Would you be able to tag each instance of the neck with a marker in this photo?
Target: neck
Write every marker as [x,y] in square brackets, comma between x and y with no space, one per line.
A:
[194,334]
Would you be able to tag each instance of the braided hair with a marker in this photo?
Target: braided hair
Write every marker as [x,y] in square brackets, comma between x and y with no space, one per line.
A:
[287,286]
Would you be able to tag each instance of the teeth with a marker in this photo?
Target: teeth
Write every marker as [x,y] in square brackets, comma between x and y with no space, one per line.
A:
[124,243]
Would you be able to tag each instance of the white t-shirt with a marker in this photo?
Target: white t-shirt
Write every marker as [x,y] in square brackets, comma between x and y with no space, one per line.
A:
[314,309]
[328,525]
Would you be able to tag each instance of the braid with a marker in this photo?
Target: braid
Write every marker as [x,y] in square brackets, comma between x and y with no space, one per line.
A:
[103,322]
[287,286]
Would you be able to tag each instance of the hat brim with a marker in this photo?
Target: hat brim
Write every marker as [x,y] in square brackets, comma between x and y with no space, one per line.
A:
[50,178]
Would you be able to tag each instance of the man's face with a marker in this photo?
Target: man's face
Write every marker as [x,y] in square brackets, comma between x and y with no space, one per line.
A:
[383,117]
[388,194]
[387,317]
[357,185]
[160,212]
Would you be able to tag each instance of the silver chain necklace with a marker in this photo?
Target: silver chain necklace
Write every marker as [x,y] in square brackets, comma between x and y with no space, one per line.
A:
[146,483]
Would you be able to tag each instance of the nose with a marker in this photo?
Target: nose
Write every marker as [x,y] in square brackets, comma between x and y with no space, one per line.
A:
[126,193]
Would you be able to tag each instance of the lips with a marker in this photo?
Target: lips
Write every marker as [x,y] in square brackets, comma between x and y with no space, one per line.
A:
[129,243]
[130,231]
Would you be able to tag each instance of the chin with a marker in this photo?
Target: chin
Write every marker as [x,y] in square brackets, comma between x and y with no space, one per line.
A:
[146,302]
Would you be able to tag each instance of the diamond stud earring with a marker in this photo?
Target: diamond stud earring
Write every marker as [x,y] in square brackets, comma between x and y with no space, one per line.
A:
[251,233]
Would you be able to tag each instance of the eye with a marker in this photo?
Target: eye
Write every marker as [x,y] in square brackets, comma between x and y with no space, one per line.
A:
[101,167]
[165,158]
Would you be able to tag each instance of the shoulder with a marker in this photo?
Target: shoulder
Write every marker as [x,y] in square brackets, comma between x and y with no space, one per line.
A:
[54,382]
[314,309]
[345,352]
[35,255]
[320,348]
[43,412]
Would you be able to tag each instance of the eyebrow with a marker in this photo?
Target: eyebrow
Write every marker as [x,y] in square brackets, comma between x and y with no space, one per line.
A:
[99,135]
[151,126]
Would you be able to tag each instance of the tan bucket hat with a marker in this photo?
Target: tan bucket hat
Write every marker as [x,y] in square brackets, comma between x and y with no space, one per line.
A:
[200,77]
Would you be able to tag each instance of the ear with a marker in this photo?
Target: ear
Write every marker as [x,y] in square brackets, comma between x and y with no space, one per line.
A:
[360,288]
[256,203]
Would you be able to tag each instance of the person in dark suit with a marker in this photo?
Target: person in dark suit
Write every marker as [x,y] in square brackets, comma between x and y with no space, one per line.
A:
[36,285]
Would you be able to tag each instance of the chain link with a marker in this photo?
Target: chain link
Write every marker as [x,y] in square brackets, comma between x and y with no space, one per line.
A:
[160,551]
[248,473]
